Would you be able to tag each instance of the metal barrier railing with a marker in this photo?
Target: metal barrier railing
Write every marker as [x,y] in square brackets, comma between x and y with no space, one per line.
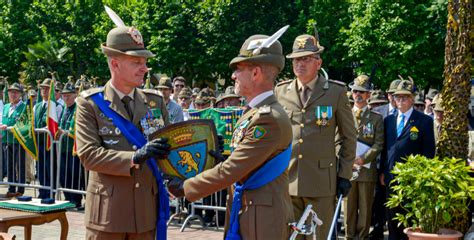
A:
[15,167]
[72,177]
[215,203]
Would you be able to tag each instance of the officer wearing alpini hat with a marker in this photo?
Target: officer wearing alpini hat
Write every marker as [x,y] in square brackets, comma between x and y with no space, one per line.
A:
[121,200]
[317,106]
[261,135]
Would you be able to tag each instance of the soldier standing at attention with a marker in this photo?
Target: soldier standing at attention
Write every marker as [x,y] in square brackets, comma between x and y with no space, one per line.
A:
[121,200]
[317,106]
[369,125]
[259,205]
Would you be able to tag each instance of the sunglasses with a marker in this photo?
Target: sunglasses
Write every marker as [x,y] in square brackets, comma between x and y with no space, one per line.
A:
[179,85]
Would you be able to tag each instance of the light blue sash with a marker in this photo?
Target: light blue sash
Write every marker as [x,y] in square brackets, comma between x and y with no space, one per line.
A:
[267,173]
[135,137]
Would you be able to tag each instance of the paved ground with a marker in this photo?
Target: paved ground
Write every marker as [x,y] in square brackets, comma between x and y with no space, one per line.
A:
[51,231]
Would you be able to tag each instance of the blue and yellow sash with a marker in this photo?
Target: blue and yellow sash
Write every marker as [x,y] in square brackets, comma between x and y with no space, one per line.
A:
[267,173]
[135,137]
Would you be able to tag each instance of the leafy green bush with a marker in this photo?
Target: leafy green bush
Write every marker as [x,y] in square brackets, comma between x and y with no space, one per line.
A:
[431,191]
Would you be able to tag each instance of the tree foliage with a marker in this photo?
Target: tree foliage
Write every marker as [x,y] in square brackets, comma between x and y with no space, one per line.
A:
[197,39]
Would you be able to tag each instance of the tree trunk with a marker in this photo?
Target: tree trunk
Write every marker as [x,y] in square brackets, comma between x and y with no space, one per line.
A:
[453,140]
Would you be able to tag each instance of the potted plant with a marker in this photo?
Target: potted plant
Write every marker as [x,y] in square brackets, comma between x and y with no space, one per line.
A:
[432,192]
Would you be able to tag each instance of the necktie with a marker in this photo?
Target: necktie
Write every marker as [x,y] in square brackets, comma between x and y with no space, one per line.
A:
[357,115]
[126,102]
[401,125]
[304,94]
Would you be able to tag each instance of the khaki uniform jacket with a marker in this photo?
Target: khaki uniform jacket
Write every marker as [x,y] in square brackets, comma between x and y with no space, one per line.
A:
[370,132]
[313,169]
[119,198]
[265,211]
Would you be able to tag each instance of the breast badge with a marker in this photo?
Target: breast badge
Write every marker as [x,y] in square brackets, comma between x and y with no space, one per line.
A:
[323,115]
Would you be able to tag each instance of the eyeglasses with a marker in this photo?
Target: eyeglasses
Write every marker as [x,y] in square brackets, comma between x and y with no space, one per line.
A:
[305,59]
[401,97]
[357,91]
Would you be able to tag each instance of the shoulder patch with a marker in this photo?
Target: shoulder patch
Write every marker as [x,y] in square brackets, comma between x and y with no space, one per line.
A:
[265,109]
[284,82]
[337,82]
[91,91]
[259,132]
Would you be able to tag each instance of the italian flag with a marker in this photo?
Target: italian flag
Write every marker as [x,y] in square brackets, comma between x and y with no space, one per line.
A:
[52,115]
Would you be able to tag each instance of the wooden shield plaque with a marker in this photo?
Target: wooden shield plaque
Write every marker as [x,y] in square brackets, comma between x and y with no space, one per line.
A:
[190,143]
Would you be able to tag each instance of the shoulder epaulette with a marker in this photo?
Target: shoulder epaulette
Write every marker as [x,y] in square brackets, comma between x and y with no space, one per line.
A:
[284,82]
[373,111]
[91,91]
[337,82]
[152,91]
[265,109]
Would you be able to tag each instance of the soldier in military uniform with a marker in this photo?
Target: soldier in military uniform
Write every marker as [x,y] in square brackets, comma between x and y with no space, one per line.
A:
[317,106]
[184,101]
[419,104]
[432,92]
[121,200]
[369,125]
[13,151]
[71,172]
[262,134]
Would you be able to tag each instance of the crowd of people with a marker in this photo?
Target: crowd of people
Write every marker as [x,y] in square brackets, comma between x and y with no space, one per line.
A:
[303,141]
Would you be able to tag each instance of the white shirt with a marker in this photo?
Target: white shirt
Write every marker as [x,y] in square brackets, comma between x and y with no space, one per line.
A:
[259,98]
[407,115]
[13,107]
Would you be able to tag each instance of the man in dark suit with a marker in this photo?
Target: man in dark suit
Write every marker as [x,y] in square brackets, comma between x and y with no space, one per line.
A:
[407,132]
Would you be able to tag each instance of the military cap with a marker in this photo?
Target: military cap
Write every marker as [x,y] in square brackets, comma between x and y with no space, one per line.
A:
[305,45]
[125,41]
[361,83]
[16,86]
[432,93]
[437,103]
[393,86]
[185,93]
[58,86]
[228,93]
[272,55]
[196,91]
[69,88]
[419,98]
[165,83]
[377,96]
[405,87]
[204,96]
[32,93]
[46,82]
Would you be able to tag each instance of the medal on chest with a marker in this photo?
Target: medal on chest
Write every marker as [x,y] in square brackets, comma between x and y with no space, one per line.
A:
[368,130]
[152,121]
[239,134]
[323,115]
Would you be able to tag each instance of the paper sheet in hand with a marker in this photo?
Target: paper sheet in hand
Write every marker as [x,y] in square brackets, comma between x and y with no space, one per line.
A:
[362,148]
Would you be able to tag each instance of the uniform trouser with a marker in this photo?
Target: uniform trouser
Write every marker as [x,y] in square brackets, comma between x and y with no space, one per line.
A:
[323,206]
[395,232]
[378,207]
[92,234]
[15,156]
[71,175]
[44,170]
[358,210]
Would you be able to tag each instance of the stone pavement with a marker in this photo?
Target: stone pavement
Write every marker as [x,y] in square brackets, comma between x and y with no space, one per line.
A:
[51,231]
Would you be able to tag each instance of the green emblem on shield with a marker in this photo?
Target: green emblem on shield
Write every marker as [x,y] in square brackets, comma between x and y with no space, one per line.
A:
[259,132]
